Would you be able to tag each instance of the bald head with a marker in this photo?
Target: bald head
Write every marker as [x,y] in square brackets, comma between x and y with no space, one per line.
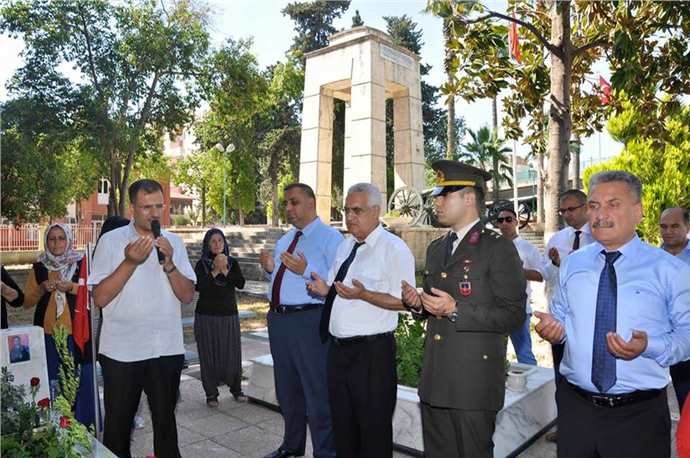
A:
[674,225]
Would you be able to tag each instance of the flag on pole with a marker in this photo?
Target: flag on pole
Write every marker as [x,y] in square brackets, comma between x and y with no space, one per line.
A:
[513,41]
[80,328]
[605,87]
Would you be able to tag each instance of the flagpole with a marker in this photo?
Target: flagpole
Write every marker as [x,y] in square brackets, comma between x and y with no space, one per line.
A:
[94,350]
[515,184]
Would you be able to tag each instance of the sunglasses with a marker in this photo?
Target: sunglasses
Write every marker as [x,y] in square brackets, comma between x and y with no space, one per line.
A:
[507,219]
[563,211]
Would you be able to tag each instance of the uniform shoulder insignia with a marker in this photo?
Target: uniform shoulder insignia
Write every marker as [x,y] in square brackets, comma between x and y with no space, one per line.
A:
[491,233]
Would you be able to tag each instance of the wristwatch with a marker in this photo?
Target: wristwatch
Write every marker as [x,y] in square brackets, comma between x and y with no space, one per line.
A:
[454,314]
[169,271]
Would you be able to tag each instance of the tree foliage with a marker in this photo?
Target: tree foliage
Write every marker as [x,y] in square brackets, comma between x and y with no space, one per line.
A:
[135,65]
[313,24]
[488,152]
[45,164]
[660,161]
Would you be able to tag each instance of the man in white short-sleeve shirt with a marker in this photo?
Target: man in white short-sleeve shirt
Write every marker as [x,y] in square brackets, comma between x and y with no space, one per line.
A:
[141,346]
[507,223]
[359,316]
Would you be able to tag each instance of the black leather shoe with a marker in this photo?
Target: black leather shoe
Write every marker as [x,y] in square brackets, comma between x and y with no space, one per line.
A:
[282,453]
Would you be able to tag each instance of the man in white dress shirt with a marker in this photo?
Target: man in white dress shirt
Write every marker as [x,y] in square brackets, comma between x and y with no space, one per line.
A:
[674,225]
[359,317]
[507,223]
[141,346]
[572,206]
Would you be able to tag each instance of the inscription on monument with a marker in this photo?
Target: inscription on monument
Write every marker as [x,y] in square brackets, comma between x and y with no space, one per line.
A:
[396,56]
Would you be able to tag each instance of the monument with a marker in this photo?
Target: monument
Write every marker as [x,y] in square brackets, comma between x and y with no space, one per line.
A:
[363,67]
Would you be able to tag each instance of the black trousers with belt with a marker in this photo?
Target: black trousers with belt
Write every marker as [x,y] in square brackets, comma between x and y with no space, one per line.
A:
[640,429]
[123,383]
[362,387]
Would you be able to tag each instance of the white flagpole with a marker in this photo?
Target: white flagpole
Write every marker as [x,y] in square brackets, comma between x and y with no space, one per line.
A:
[515,185]
[94,349]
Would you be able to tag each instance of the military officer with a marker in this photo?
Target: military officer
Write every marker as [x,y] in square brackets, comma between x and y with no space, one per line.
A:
[474,296]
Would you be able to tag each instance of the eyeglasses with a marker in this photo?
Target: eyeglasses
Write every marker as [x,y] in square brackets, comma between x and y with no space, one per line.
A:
[563,211]
[358,211]
[148,208]
[507,219]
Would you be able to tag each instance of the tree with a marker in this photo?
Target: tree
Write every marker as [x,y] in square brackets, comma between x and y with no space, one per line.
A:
[487,151]
[236,92]
[471,20]
[135,61]
[313,24]
[45,164]
[574,34]
[660,159]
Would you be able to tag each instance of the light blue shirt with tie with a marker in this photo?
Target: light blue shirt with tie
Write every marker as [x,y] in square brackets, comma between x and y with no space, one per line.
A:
[653,296]
[318,243]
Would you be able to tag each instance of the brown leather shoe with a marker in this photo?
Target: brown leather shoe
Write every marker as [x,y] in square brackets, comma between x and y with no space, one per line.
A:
[212,403]
[551,437]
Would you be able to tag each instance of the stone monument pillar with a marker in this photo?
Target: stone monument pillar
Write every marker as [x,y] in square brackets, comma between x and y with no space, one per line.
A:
[363,67]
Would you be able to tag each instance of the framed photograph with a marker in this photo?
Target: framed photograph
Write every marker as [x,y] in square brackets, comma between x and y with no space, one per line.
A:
[18,346]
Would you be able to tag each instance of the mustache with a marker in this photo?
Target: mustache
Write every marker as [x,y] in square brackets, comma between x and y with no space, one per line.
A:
[602,224]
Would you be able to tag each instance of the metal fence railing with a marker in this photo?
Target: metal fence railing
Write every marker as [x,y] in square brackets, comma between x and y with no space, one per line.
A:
[28,237]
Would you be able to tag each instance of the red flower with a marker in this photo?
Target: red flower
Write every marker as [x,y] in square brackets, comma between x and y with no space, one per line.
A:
[45,402]
[35,381]
[64,422]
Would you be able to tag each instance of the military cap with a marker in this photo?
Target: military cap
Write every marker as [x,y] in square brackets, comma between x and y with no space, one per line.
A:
[453,176]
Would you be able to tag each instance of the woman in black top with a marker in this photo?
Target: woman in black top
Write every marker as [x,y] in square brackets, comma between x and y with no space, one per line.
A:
[11,295]
[216,324]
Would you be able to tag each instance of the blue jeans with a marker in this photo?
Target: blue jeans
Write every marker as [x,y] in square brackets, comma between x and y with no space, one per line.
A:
[522,342]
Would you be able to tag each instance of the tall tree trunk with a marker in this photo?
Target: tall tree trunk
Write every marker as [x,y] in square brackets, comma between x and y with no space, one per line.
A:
[577,181]
[451,146]
[559,113]
[240,214]
[203,204]
[496,181]
[450,130]
[540,187]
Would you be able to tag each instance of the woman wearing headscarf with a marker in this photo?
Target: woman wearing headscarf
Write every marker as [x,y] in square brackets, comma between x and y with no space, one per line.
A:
[52,288]
[216,323]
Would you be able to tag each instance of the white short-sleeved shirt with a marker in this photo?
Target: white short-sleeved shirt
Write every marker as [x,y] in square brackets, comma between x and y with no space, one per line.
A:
[563,242]
[531,259]
[380,264]
[144,320]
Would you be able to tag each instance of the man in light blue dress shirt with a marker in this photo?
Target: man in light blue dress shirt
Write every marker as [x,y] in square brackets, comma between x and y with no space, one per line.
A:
[299,356]
[674,225]
[623,310]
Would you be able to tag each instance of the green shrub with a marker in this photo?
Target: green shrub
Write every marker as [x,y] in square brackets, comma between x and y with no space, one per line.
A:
[409,339]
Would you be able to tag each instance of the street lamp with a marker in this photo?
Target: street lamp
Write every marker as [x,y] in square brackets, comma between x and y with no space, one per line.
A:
[225,150]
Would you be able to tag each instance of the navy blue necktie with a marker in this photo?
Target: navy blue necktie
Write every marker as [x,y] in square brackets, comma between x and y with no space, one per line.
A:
[330,297]
[452,237]
[603,362]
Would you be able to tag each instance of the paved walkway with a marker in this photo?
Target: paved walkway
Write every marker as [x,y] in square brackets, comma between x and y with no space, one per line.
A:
[252,430]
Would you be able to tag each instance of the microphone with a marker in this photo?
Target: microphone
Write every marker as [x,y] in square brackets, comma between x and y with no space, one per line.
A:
[156,229]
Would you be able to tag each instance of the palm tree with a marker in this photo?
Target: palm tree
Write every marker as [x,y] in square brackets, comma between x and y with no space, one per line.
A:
[489,153]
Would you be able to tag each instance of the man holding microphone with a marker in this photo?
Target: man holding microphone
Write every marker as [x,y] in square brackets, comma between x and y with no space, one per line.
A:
[141,348]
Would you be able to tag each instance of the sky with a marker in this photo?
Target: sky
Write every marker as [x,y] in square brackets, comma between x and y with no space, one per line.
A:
[272,35]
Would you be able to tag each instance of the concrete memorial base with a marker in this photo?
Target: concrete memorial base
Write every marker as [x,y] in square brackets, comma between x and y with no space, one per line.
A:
[525,415]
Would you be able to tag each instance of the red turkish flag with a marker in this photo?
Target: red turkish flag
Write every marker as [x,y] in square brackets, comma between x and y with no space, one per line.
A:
[80,327]
[514,42]
[605,95]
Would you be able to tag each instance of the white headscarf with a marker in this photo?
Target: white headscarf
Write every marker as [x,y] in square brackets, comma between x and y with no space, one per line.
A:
[65,263]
